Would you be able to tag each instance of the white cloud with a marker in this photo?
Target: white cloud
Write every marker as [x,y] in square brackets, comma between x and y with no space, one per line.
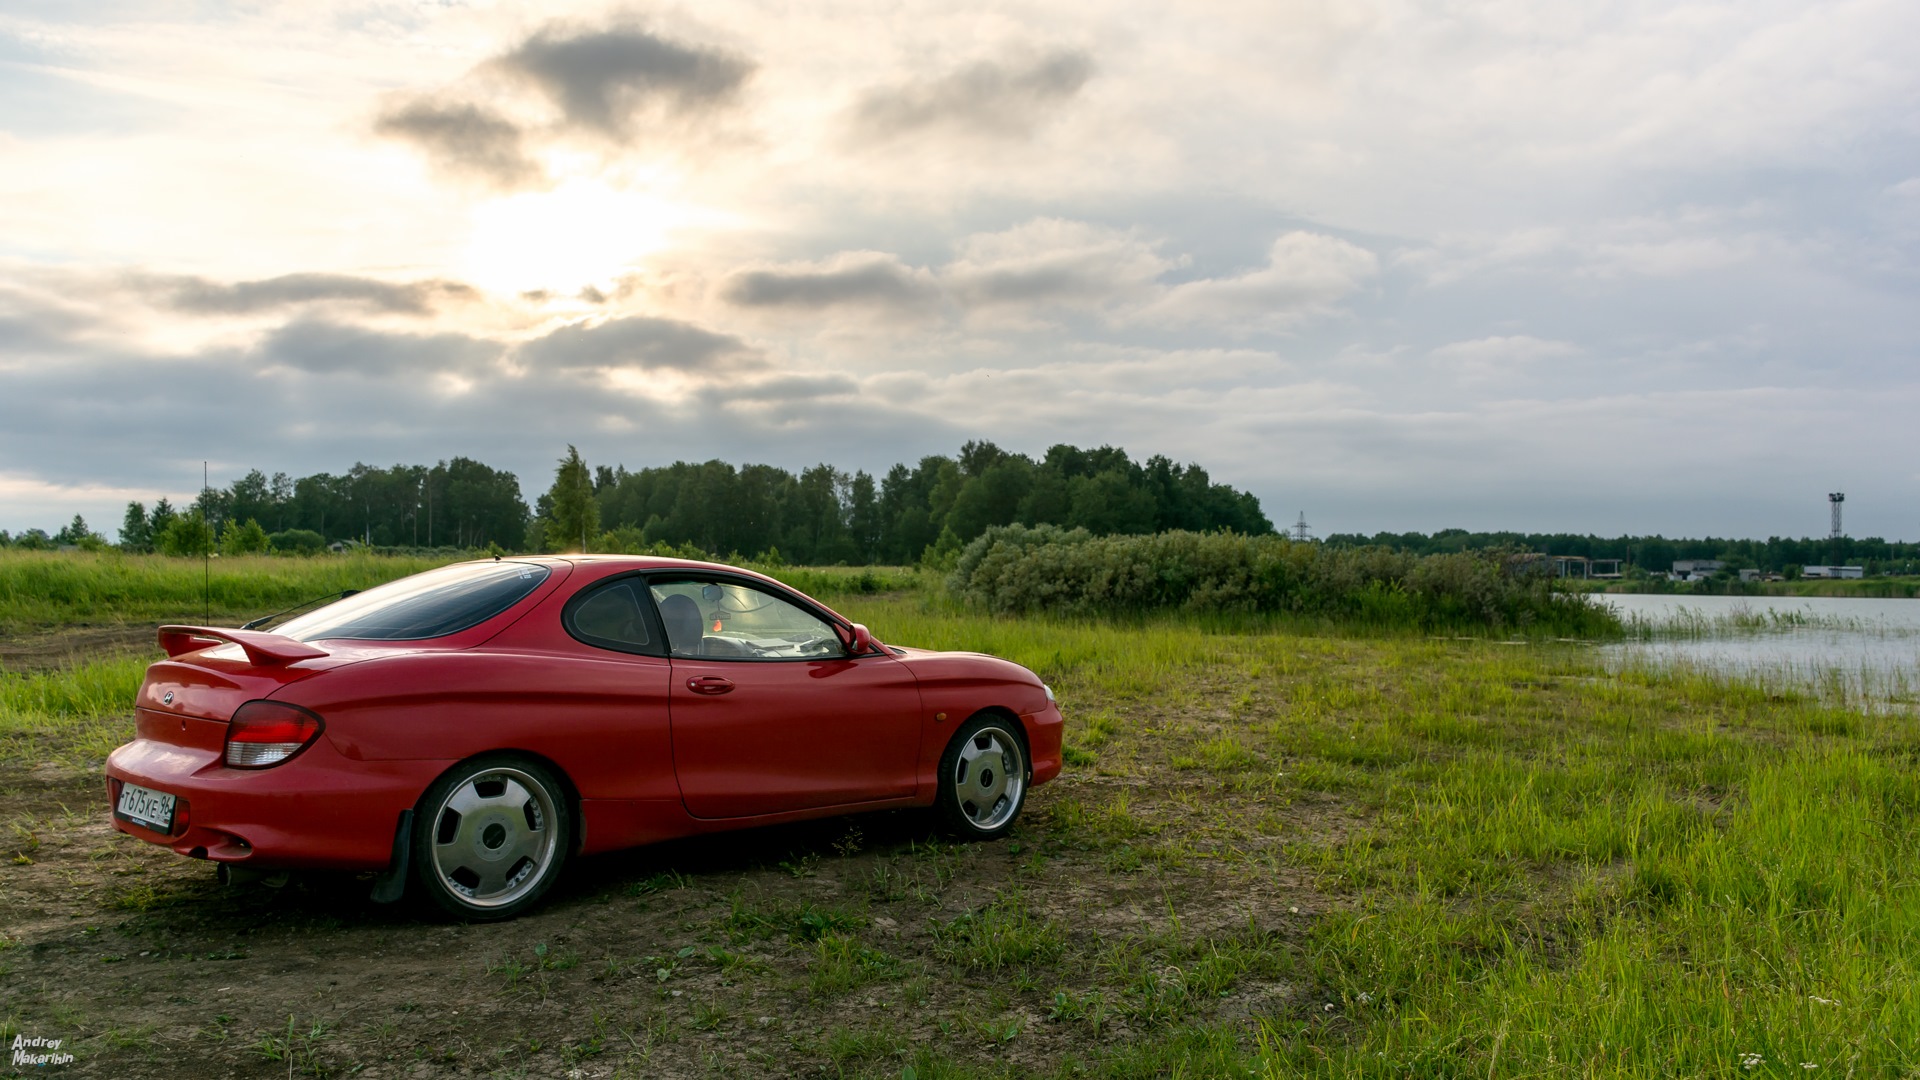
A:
[1500,357]
[1306,274]
[1054,263]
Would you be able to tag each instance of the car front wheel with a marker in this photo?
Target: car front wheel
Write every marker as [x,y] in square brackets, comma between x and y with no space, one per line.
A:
[490,837]
[983,779]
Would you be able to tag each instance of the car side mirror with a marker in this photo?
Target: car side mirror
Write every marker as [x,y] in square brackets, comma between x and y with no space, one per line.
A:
[859,641]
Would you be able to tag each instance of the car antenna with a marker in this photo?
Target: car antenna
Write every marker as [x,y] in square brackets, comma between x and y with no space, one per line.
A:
[206,553]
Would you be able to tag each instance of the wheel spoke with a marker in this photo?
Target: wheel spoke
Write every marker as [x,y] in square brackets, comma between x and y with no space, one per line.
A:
[493,879]
[514,797]
[462,832]
[972,751]
[525,844]
[466,799]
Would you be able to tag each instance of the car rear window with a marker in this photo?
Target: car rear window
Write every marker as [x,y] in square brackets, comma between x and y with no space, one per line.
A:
[430,605]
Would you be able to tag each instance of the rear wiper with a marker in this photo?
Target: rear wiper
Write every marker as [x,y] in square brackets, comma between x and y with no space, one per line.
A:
[265,619]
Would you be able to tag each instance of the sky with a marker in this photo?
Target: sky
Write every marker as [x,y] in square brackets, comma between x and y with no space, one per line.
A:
[1611,267]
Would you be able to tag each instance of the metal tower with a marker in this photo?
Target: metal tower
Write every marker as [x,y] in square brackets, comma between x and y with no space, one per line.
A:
[1301,530]
[1834,499]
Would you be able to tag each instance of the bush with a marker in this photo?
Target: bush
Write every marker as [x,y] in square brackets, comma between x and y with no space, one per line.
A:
[297,542]
[187,534]
[244,539]
[1017,569]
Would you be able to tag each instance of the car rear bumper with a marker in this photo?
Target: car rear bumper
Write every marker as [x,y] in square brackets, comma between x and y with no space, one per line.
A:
[316,811]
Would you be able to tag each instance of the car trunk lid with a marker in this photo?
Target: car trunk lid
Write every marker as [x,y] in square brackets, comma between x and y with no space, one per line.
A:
[210,672]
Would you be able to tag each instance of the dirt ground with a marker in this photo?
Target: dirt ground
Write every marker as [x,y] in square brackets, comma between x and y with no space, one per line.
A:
[24,652]
[827,949]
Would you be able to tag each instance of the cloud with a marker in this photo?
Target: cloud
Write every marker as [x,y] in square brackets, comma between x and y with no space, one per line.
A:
[790,388]
[1500,357]
[1047,269]
[603,80]
[328,348]
[463,140]
[201,296]
[994,99]
[1053,262]
[639,342]
[603,85]
[1306,274]
[863,279]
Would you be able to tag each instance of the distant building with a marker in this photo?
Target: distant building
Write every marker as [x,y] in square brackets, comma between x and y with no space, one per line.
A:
[1833,571]
[1695,569]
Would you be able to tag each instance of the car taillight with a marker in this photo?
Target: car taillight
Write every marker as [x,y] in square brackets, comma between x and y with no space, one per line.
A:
[264,733]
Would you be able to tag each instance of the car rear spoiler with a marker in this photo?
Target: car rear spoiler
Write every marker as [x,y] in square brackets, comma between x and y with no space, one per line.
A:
[263,649]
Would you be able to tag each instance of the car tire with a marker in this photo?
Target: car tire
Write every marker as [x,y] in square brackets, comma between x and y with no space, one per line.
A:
[984,776]
[490,836]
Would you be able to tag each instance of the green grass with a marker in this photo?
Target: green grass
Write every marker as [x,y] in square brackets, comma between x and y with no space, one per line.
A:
[1545,867]
[75,715]
[47,589]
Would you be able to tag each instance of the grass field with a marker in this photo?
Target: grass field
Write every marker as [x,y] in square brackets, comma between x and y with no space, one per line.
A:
[1277,851]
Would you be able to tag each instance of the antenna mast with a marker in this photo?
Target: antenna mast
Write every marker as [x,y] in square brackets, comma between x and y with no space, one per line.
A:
[206,553]
[1836,541]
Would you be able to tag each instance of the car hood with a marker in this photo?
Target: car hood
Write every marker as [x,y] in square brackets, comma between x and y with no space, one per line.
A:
[929,665]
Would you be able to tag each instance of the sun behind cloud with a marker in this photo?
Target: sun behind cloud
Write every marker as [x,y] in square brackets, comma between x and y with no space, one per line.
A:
[580,234]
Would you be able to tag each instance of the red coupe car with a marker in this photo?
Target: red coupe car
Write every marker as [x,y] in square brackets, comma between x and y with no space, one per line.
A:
[469,728]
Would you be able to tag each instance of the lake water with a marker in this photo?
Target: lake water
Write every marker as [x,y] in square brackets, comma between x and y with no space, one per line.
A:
[1867,645]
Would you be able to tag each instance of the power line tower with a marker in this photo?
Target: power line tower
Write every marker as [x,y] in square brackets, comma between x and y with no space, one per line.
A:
[1834,541]
[1301,531]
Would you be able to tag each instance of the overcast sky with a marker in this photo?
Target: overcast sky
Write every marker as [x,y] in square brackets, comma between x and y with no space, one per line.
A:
[1610,267]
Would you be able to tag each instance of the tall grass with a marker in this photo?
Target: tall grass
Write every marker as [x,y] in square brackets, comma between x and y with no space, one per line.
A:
[1686,622]
[63,588]
[73,714]
[42,589]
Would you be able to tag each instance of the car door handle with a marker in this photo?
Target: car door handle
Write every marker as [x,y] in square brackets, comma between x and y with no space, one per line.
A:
[709,684]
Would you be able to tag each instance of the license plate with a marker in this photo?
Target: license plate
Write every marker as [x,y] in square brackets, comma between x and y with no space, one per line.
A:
[154,809]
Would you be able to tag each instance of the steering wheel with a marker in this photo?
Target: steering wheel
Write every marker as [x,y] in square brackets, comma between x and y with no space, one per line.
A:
[817,646]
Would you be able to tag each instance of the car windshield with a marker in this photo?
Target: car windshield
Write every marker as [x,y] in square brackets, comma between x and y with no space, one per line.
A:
[430,605]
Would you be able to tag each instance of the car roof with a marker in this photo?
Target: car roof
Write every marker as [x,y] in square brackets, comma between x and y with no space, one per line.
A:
[640,562]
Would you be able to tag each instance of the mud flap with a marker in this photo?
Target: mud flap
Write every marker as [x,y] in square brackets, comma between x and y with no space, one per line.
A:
[391,885]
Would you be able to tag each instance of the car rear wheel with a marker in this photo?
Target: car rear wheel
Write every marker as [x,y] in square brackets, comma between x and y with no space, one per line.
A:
[490,837]
[983,778]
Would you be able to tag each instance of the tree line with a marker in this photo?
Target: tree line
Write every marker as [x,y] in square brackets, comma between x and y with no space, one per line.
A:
[1657,554]
[826,515]
[822,515]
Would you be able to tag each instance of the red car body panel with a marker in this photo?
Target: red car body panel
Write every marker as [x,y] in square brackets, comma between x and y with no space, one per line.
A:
[732,763]
[646,756]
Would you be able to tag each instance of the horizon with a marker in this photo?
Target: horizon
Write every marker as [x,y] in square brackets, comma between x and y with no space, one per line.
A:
[1602,271]
[531,495]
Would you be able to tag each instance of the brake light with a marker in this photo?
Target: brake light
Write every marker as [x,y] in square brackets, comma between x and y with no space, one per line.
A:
[264,733]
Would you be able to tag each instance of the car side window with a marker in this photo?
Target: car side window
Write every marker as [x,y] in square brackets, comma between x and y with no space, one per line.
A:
[725,620]
[613,617]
